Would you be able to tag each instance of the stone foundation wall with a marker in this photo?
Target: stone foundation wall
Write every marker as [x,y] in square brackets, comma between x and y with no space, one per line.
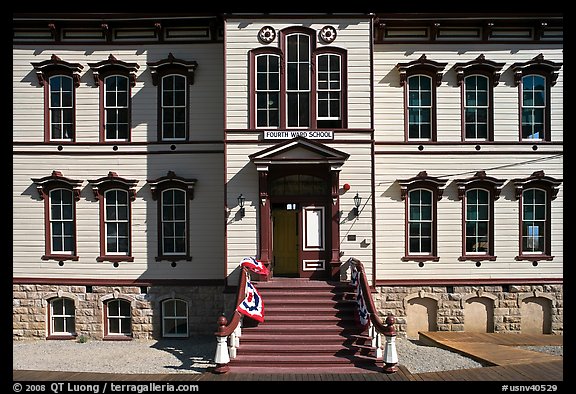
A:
[31,306]
[503,305]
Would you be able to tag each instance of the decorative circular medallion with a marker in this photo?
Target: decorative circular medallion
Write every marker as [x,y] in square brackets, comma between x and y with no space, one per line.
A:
[327,34]
[267,34]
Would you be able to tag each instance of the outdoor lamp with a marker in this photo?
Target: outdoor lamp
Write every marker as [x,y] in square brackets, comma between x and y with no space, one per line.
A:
[357,201]
[241,204]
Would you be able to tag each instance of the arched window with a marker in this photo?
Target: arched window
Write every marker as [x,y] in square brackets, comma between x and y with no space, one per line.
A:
[535,79]
[421,194]
[60,195]
[115,79]
[420,79]
[296,85]
[478,194]
[60,80]
[173,77]
[535,195]
[173,194]
[115,195]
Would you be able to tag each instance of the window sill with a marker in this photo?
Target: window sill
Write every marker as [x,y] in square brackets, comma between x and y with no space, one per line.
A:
[174,258]
[117,338]
[535,257]
[421,258]
[60,257]
[115,259]
[61,337]
[484,257]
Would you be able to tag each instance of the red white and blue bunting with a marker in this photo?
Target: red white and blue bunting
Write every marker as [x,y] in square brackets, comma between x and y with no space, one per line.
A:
[252,306]
[254,265]
[362,316]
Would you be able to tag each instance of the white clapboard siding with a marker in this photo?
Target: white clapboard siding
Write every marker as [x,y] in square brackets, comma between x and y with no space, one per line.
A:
[205,211]
[352,35]
[389,95]
[206,103]
[390,216]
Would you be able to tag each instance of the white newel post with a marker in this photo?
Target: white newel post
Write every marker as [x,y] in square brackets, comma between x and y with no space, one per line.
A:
[221,358]
[390,356]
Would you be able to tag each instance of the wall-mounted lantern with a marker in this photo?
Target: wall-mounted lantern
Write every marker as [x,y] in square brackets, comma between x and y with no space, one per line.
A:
[357,202]
[241,205]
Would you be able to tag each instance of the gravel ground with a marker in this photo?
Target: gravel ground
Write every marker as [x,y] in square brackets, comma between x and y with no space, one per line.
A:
[194,355]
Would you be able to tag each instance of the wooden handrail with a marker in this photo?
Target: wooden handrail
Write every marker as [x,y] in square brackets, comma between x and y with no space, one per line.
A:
[390,357]
[225,326]
[381,327]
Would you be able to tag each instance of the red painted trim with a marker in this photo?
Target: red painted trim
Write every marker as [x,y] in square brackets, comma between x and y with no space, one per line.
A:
[465,143]
[60,337]
[273,51]
[547,110]
[102,77]
[464,282]
[547,255]
[86,154]
[131,143]
[118,282]
[491,194]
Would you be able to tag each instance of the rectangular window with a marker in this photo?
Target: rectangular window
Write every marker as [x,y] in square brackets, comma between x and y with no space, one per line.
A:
[119,317]
[117,222]
[267,91]
[116,107]
[533,221]
[298,80]
[419,107]
[62,317]
[477,221]
[61,108]
[476,107]
[533,107]
[174,318]
[313,226]
[174,222]
[420,222]
[329,91]
[174,107]
[62,221]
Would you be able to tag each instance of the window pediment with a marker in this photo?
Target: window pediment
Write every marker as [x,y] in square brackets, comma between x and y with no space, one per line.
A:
[480,64]
[481,180]
[113,181]
[422,180]
[421,65]
[57,66]
[172,65]
[113,66]
[537,65]
[171,180]
[537,179]
[57,180]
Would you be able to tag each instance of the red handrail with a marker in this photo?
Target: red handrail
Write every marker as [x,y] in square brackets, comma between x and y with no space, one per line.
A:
[386,328]
[225,326]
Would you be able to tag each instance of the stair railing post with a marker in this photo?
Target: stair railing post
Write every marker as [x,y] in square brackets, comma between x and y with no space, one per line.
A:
[222,357]
[390,356]
[376,339]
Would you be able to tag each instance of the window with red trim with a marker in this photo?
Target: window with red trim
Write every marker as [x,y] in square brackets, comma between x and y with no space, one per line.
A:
[60,195]
[535,195]
[115,79]
[298,86]
[59,80]
[115,196]
[421,194]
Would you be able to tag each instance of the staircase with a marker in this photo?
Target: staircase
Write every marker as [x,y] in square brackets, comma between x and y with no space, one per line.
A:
[309,327]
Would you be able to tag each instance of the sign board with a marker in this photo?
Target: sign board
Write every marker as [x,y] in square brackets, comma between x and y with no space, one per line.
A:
[289,134]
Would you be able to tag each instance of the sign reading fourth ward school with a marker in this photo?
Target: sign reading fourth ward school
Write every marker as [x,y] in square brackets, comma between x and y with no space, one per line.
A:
[289,134]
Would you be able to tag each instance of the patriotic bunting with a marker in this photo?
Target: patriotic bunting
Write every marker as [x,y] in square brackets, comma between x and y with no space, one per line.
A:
[362,316]
[252,306]
[254,265]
